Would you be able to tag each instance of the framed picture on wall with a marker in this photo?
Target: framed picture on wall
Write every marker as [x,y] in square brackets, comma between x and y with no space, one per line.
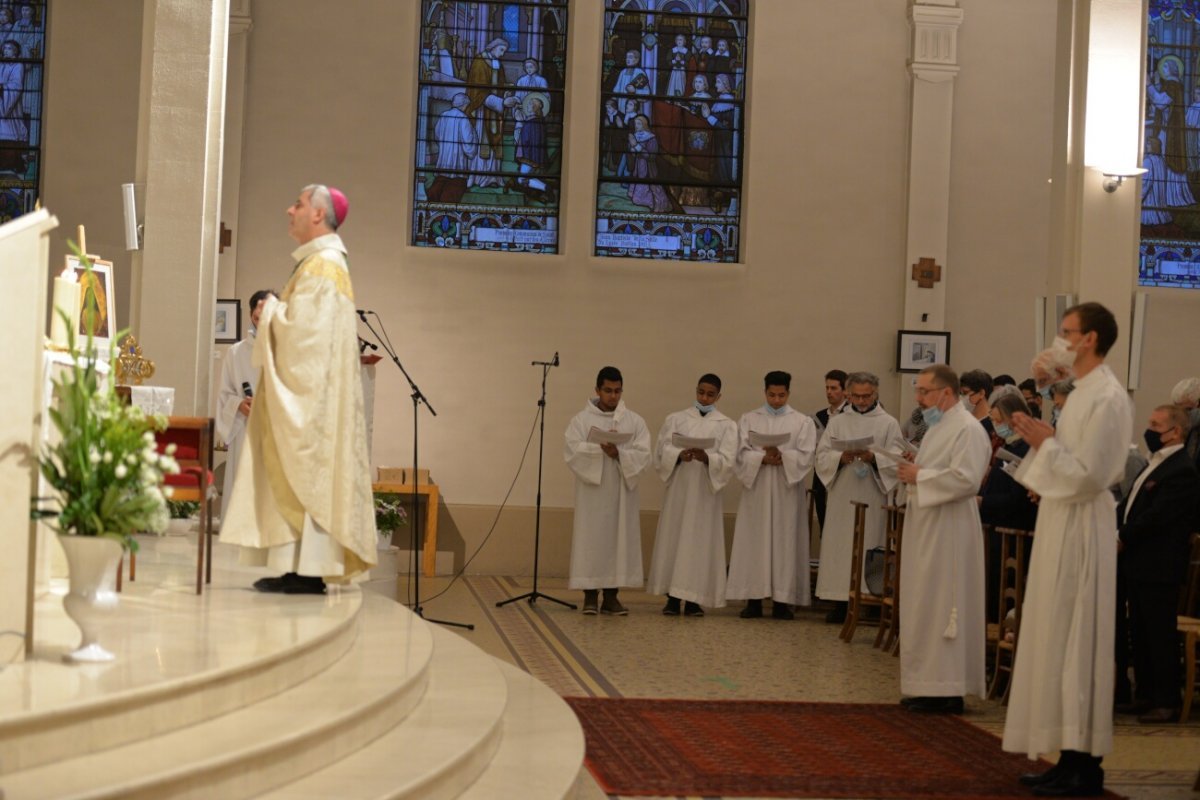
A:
[227,321]
[96,303]
[916,350]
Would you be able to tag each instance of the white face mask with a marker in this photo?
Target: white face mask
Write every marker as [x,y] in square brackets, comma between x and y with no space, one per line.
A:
[967,404]
[1061,345]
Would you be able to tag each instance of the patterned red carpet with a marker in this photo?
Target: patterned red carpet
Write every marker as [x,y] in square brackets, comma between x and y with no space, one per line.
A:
[775,749]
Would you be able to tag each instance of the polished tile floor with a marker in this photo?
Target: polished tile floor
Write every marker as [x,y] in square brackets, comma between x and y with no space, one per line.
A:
[723,657]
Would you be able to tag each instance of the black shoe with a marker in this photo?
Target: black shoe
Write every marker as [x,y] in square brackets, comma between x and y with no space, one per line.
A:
[781,611]
[591,602]
[303,584]
[753,610]
[1073,783]
[936,705]
[612,605]
[1136,707]
[1041,778]
[1159,716]
[838,615]
[691,609]
[905,702]
[671,609]
[274,585]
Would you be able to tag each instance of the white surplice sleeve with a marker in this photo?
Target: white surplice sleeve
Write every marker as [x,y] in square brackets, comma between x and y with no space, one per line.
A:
[666,454]
[722,455]
[749,457]
[799,452]
[585,458]
[635,454]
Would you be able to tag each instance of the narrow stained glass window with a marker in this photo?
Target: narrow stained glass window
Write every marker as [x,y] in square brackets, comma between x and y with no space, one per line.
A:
[672,129]
[22,61]
[490,125]
[1170,242]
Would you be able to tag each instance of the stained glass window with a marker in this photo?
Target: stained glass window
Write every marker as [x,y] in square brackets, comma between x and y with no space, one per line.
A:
[490,125]
[22,55]
[1170,243]
[672,119]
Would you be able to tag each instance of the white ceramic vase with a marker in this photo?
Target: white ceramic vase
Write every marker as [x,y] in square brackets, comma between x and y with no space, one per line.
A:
[92,562]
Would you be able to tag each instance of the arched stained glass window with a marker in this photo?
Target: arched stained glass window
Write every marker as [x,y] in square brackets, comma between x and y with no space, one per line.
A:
[489,125]
[22,60]
[672,129]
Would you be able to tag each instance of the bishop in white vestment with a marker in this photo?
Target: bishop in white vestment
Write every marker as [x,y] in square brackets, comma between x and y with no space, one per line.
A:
[606,544]
[770,539]
[1062,683]
[302,501]
[854,476]
[689,548]
[941,564]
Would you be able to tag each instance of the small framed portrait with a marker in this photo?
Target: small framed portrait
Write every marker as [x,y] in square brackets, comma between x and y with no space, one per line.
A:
[916,350]
[97,313]
[227,321]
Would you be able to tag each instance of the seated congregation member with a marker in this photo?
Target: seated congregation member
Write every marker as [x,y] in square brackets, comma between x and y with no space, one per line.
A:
[689,548]
[1058,397]
[854,475]
[770,539]
[941,560]
[975,388]
[606,543]
[1029,391]
[1004,380]
[835,397]
[1155,525]
[1186,395]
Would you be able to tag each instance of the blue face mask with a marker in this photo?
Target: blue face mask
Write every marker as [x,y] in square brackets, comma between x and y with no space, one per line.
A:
[1045,393]
[932,415]
[705,409]
[1004,431]
[774,412]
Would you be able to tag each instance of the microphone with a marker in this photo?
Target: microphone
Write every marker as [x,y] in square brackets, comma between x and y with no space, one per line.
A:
[362,312]
[246,390]
[363,344]
[555,364]
[552,363]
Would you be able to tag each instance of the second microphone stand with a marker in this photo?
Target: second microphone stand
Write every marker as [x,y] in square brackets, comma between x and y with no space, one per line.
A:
[418,532]
[537,525]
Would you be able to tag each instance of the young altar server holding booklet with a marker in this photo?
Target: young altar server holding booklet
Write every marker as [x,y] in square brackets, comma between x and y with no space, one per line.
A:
[695,454]
[770,540]
[608,449]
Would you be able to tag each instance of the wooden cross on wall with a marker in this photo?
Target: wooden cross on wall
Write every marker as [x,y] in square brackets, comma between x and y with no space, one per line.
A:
[926,273]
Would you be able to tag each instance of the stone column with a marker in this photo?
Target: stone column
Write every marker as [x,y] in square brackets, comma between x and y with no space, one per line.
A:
[180,141]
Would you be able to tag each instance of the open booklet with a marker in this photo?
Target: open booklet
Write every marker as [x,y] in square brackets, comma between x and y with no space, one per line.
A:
[1005,454]
[768,439]
[692,443]
[843,445]
[597,436]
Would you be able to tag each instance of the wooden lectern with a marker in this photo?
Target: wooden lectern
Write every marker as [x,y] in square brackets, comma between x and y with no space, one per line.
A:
[25,256]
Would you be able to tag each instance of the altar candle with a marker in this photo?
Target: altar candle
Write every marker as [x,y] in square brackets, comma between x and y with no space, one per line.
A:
[65,299]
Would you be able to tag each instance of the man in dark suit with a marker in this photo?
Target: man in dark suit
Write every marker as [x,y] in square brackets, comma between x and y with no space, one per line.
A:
[835,395]
[1155,523]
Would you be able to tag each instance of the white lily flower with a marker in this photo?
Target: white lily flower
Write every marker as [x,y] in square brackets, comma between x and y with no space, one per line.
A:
[120,471]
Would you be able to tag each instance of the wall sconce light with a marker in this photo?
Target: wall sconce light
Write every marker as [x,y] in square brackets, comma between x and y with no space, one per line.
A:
[1114,178]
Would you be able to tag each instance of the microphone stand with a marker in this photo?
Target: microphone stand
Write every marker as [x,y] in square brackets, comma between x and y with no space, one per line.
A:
[418,534]
[537,525]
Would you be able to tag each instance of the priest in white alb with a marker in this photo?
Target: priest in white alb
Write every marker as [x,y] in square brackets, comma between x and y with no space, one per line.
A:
[1062,683]
[235,397]
[851,475]
[770,538]
[302,502]
[941,560]
[689,548]
[606,542]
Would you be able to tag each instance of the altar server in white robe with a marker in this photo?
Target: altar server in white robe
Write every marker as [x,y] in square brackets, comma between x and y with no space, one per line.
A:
[770,539]
[854,475]
[1062,690]
[941,562]
[689,548]
[302,501]
[606,544]
[236,395]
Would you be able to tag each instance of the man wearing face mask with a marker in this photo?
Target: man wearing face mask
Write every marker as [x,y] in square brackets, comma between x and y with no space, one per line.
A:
[975,386]
[1155,524]
[1186,395]
[941,565]
[1062,684]
[854,475]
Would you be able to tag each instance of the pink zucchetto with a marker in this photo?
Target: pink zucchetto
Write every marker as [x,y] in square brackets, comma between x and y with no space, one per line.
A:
[341,206]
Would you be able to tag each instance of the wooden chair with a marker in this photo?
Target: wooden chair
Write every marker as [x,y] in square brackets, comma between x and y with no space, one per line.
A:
[1013,570]
[193,440]
[1189,593]
[888,635]
[859,599]
[1189,627]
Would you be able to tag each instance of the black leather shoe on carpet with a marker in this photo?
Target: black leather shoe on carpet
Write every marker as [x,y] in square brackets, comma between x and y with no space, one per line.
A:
[671,609]
[691,609]
[936,705]
[753,610]
[1073,783]
[302,584]
[591,602]
[838,615]
[612,605]
[781,611]
[273,584]
[1040,778]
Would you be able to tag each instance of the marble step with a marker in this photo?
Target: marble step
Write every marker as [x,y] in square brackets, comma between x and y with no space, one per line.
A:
[439,749]
[181,659]
[244,753]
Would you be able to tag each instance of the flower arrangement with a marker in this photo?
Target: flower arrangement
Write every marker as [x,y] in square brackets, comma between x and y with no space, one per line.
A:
[390,515]
[106,471]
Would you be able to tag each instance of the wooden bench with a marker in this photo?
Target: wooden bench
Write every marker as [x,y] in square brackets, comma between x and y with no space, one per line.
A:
[432,495]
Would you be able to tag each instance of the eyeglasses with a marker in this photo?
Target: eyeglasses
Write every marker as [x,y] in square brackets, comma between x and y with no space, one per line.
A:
[1066,331]
[861,397]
